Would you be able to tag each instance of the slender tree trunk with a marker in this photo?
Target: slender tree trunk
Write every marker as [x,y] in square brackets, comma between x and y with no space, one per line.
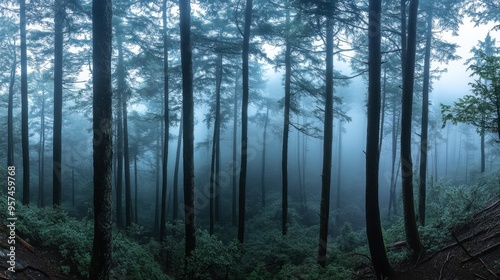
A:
[435,160]
[166,120]
[483,165]
[244,122]
[72,180]
[425,121]
[128,190]
[304,161]
[339,164]
[41,157]
[327,148]
[136,216]
[176,173]
[188,116]
[10,109]
[373,227]
[24,104]
[157,188]
[120,135]
[58,89]
[263,164]
[100,264]
[234,166]
[412,236]
[286,128]
[214,172]
[447,141]
[382,113]
[299,170]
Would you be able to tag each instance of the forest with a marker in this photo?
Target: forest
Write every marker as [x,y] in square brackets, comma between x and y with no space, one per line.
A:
[256,139]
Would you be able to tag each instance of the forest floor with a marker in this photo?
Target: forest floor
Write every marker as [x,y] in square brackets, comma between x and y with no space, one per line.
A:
[31,263]
[472,253]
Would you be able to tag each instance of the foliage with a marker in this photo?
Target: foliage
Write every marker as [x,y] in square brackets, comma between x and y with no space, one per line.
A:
[52,227]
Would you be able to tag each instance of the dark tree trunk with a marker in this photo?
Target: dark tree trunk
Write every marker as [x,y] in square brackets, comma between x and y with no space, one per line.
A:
[483,165]
[188,116]
[234,166]
[41,156]
[58,90]
[120,134]
[126,155]
[286,128]
[166,120]
[425,122]
[157,189]
[263,165]
[244,123]
[215,160]
[176,173]
[72,180]
[24,104]
[135,187]
[394,167]
[339,165]
[327,148]
[373,227]
[10,109]
[100,264]
[412,236]
[382,113]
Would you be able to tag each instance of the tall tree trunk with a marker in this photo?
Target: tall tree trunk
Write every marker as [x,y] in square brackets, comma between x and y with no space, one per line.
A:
[126,155]
[435,160]
[447,148]
[166,120]
[120,139]
[373,227]
[382,113]
[234,166]
[392,191]
[244,122]
[339,165]
[425,121]
[412,236]
[10,109]
[188,116]
[72,179]
[24,104]
[263,164]
[176,173]
[215,160]
[100,264]
[157,189]
[299,171]
[482,133]
[286,128]
[58,89]
[327,148]
[136,216]
[41,156]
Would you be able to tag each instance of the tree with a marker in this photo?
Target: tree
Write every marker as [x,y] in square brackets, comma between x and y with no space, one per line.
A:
[166,120]
[482,109]
[59,15]
[188,124]
[100,264]
[244,121]
[411,229]
[24,102]
[373,226]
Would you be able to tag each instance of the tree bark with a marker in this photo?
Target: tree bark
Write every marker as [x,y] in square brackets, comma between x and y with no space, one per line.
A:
[244,122]
[176,173]
[58,89]
[373,226]
[234,166]
[136,217]
[339,165]
[483,161]
[126,155]
[188,124]
[327,148]
[41,156]
[412,236]
[263,165]
[286,128]
[24,104]
[10,110]
[100,264]
[425,121]
[166,120]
